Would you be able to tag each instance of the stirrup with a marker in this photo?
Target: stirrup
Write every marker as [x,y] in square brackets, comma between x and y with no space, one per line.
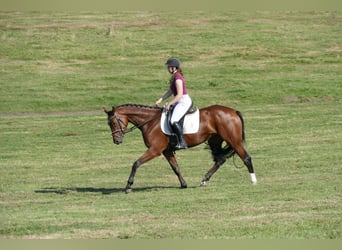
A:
[181,146]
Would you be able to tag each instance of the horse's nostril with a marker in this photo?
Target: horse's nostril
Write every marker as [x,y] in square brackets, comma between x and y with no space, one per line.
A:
[117,142]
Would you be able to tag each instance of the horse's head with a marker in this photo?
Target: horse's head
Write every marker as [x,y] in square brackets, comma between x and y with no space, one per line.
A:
[117,124]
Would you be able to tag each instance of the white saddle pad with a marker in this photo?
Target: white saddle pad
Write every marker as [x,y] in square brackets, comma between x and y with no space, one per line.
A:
[190,125]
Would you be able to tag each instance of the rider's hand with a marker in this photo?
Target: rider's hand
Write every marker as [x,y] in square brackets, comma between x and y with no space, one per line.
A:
[159,101]
[167,106]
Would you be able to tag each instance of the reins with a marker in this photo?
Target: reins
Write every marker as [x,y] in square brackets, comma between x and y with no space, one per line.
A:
[140,125]
[132,128]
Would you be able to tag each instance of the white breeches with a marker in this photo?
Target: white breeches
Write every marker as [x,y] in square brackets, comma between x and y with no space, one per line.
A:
[181,107]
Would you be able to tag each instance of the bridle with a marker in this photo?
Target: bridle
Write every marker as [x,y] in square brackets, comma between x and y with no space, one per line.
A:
[119,121]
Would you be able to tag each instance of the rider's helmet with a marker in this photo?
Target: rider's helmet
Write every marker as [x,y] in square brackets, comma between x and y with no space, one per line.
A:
[173,62]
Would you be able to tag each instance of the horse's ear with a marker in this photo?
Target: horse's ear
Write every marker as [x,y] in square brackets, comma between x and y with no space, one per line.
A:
[105,110]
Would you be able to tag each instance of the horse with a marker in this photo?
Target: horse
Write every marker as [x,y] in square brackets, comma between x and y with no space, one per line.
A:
[218,124]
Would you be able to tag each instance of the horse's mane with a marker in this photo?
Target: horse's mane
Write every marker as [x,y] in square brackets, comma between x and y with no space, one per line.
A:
[141,106]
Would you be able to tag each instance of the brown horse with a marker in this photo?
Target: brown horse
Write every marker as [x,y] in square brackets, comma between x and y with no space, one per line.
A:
[218,124]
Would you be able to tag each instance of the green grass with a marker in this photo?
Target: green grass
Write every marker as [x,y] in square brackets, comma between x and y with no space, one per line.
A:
[62,177]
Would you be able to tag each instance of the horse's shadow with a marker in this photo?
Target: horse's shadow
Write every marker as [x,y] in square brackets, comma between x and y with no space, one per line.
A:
[104,191]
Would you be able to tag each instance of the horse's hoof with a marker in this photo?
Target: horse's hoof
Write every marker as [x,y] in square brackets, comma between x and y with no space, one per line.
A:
[253,178]
[184,186]
[128,190]
[203,184]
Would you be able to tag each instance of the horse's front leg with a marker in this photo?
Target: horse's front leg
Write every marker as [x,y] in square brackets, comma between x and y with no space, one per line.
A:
[131,176]
[148,155]
[170,157]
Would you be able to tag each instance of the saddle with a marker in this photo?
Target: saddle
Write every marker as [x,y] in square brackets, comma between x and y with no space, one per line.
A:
[189,122]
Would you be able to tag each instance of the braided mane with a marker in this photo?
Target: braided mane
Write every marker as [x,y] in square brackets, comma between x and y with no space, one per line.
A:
[138,106]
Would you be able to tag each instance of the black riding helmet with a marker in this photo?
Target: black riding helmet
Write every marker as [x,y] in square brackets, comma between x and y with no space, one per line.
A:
[173,62]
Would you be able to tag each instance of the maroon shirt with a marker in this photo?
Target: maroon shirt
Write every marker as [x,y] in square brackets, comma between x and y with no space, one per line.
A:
[178,76]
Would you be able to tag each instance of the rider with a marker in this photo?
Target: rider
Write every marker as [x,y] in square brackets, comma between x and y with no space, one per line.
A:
[181,100]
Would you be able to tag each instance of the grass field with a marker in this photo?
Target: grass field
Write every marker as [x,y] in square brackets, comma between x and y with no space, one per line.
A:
[62,177]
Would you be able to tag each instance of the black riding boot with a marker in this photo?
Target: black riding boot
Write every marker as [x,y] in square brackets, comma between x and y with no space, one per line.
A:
[179,132]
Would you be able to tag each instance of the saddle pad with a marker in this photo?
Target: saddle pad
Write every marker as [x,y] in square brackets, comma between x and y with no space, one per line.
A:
[190,126]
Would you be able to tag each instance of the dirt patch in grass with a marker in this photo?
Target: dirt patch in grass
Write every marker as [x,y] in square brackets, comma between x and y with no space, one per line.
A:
[296,99]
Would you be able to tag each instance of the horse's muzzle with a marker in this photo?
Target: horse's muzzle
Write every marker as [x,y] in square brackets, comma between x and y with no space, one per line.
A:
[117,141]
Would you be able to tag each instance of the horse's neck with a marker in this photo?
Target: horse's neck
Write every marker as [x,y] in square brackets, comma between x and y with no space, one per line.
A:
[137,117]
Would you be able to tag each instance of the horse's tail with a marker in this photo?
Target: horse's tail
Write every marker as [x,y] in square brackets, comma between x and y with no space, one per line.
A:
[243,124]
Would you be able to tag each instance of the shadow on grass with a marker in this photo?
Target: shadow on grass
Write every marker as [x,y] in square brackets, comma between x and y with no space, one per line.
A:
[54,190]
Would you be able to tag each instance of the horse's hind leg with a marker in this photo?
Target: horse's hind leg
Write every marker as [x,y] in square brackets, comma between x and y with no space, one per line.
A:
[212,171]
[247,160]
[248,163]
[215,143]
[169,155]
